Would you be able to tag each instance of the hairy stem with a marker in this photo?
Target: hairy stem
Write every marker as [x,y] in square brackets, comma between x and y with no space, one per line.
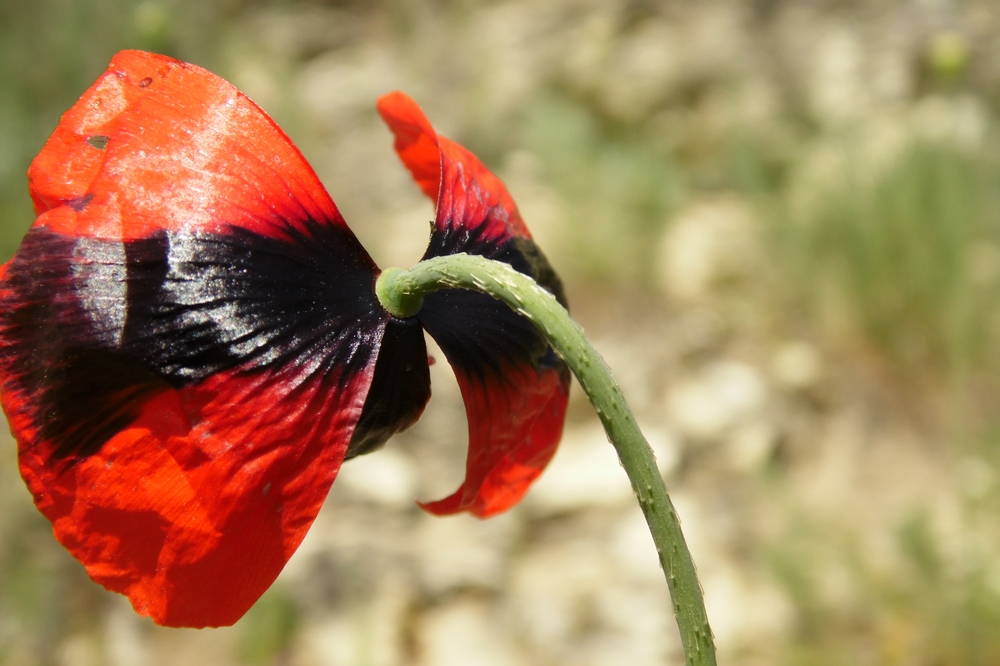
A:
[401,290]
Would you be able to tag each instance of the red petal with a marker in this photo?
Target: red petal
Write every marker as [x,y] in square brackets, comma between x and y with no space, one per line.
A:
[203,479]
[515,422]
[515,393]
[416,141]
[468,195]
[191,151]
[194,508]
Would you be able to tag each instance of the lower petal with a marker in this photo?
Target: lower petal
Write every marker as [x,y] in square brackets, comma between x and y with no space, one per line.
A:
[195,507]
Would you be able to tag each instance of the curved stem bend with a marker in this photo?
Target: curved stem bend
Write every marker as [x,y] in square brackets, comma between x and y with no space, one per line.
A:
[400,290]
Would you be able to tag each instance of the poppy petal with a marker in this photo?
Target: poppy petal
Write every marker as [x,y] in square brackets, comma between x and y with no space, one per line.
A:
[469,197]
[515,388]
[400,388]
[160,144]
[515,392]
[188,334]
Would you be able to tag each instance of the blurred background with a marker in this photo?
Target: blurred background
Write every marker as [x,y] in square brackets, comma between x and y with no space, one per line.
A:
[779,222]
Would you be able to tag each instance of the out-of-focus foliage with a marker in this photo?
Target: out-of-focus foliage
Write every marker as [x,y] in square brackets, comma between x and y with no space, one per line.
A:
[897,256]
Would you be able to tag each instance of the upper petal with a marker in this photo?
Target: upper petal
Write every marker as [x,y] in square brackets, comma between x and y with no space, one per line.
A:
[416,142]
[469,197]
[515,388]
[160,144]
[188,334]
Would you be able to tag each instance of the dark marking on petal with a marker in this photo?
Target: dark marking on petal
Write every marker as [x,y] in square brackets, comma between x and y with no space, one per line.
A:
[478,333]
[99,141]
[100,393]
[80,203]
[521,253]
[400,387]
[539,268]
[145,82]
[91,328]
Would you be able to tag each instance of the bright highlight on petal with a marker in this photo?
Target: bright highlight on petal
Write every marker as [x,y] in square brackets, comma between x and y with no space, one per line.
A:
[190,344]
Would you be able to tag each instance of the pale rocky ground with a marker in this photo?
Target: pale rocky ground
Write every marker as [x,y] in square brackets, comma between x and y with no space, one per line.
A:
[774,442]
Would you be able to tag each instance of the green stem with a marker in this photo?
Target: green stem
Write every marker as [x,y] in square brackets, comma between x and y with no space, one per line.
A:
[401,290]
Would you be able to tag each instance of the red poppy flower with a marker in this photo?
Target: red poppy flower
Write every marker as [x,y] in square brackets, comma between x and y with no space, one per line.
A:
[190,343]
